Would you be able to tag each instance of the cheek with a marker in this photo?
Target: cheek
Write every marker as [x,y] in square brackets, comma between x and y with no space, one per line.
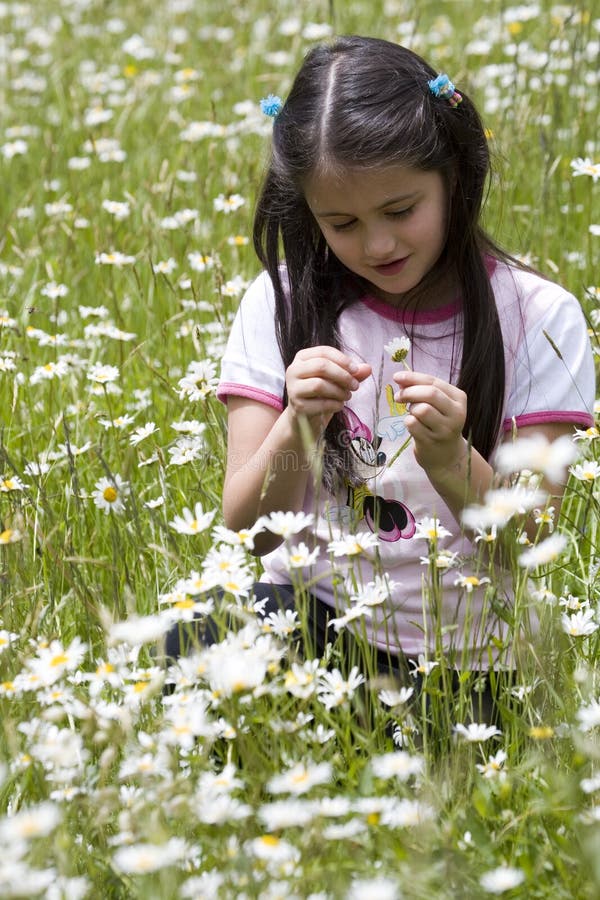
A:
[339,246]
[433,228]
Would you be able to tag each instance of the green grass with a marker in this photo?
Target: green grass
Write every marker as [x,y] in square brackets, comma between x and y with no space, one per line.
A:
[120,764]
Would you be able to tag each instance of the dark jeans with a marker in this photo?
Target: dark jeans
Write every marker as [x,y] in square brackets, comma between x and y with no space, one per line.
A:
[183,637]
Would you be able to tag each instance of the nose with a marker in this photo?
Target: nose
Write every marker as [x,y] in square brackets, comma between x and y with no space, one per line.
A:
[379,241]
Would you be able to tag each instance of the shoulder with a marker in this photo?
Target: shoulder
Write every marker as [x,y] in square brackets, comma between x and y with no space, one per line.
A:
[259,292]
[259,297]
[531,297]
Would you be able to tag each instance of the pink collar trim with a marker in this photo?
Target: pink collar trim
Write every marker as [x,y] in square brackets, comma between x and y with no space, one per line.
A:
[414,317]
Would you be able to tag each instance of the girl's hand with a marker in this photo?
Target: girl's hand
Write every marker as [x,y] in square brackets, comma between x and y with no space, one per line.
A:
[436,419]
[320,381]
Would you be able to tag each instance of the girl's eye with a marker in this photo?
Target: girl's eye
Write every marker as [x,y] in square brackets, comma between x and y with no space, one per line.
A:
[343,226]
[399,213]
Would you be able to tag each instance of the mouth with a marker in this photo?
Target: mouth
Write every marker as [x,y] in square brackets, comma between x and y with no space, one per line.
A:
[391,268]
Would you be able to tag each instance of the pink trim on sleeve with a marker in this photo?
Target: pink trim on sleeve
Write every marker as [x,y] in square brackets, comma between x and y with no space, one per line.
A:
[577,417]
[227,389]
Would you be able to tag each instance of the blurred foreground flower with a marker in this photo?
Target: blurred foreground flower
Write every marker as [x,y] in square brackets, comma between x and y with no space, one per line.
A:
[504,878]
[501,505]
[401,765]
[589,716]
[475,732]
[114,258]
[551,458]
[579,624]
[544,552]
[300,778]
[142,858]
[10,536]
[585,166]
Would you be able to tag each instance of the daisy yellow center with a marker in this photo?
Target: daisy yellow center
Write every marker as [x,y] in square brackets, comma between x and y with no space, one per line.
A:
[270,840]
[184,604]
[59,660]
[296,558]
[8,484]
[541,732]
[373,818]
[300,777]
[5,536]
[139,687]
[109,494]
[471,579]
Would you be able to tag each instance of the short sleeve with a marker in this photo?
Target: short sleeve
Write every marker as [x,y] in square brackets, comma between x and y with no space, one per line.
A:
[553,378]
[252,366]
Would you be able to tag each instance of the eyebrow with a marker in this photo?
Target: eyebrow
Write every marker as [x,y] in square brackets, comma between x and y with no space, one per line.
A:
[401,199]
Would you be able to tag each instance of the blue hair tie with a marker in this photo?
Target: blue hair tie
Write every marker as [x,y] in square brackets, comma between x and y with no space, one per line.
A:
[443,87]
[271,105]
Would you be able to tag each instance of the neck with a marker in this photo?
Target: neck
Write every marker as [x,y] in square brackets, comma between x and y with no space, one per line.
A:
[439,288]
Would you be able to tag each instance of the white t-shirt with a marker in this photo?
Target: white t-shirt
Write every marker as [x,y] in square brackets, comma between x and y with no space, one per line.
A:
[538,318]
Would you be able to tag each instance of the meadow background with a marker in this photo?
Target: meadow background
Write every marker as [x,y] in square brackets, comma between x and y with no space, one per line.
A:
[131,148]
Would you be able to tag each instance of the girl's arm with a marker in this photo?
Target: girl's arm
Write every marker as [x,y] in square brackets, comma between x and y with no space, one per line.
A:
[459,474]
[269,453]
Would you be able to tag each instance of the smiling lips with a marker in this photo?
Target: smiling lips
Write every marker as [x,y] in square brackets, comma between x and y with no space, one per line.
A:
[391,268]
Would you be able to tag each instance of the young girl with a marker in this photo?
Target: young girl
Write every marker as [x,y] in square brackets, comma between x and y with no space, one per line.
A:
[368,230]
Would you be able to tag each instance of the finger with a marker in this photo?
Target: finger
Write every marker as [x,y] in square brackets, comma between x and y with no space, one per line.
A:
[432,397]
[359,370]
[407,379]
[319,388]
[323,369]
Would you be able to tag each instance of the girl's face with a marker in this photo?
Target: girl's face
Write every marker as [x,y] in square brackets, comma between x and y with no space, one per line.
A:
[386,225]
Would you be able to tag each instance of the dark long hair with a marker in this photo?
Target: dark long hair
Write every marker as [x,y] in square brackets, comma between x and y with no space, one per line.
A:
[365,102]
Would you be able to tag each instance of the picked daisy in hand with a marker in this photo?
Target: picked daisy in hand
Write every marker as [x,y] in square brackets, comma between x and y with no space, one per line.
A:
[398,349]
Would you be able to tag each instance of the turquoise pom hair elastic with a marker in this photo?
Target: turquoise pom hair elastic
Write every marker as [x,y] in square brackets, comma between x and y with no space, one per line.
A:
[443,87]
[271,105]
